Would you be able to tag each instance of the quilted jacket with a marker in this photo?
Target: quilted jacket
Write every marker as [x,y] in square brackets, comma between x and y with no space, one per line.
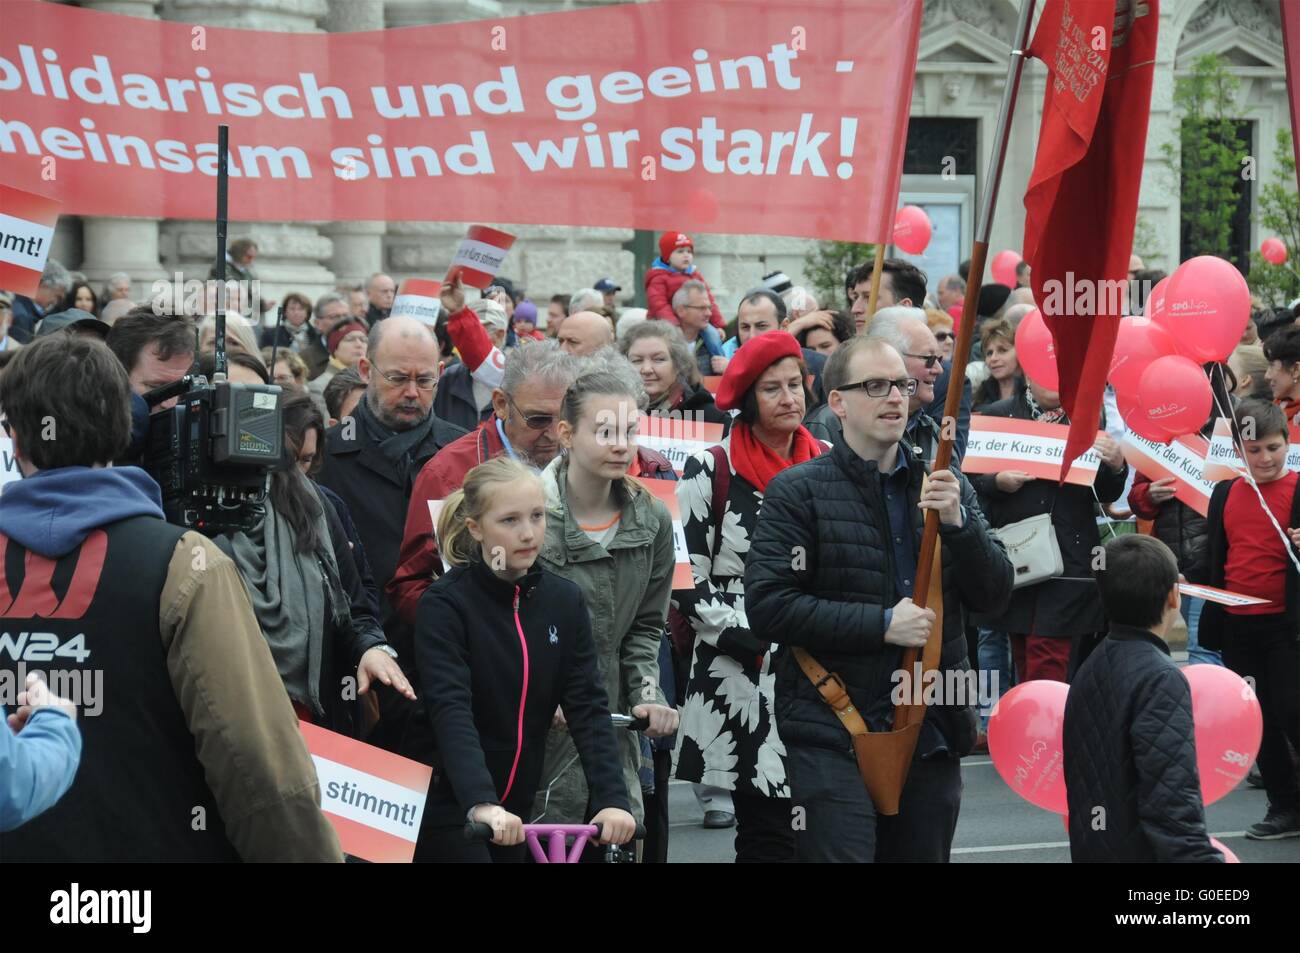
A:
[820,575]
[1132,785]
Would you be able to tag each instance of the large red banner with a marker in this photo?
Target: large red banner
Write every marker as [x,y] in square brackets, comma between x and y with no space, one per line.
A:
[779,117]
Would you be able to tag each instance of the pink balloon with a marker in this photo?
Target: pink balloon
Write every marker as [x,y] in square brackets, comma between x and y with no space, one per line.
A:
[1025,732]
[1136,421]
[912,229]
[1174,394]
[1206,306]
[1228,726]
[1138,342]
[1273,251]
[1004,268]
[1228,856]
[1036,351]
[1155,303]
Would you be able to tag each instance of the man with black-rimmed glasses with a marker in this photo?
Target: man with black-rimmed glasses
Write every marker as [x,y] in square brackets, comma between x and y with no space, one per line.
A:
[829,577]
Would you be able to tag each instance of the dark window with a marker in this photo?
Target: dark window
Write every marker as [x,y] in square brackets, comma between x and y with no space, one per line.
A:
[931,140]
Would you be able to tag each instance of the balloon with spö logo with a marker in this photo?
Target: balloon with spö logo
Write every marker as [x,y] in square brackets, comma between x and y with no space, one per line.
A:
[1228,726]
[912,229]
[1273,251]
[1174,395]
[1206,307]
[1138,342]
[1025,742]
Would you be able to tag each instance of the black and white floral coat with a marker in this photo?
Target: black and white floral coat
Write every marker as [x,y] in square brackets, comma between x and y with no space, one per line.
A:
[728,734]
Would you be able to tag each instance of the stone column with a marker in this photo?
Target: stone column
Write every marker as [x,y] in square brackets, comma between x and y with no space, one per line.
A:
[110,245]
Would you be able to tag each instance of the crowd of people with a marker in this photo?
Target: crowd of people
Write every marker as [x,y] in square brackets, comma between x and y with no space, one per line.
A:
[461,560]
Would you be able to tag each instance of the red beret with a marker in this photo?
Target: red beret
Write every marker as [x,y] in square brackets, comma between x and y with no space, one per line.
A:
[343,330]
[754,357]
[669,242]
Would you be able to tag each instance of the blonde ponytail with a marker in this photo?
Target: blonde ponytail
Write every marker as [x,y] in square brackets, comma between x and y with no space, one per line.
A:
[470,502]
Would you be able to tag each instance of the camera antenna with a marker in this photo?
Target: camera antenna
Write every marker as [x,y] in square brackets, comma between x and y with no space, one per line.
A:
[223,145]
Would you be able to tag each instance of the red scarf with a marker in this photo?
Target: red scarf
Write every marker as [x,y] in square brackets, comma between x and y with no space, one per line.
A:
[757,463]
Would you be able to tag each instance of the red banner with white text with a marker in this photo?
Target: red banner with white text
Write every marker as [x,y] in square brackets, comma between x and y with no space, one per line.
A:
[782,117]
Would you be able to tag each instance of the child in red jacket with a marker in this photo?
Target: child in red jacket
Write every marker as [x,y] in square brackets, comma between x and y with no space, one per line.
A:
[672,269]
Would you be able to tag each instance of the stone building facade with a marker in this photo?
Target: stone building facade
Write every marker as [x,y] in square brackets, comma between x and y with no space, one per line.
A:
[959,82]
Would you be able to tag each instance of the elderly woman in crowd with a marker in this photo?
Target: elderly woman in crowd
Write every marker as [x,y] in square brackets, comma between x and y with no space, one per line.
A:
[658,353]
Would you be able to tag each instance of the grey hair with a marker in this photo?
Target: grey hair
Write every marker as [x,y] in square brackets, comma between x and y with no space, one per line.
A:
[116,277]
[1016,313]
[889,325]
[328,298]
[684,292]
[586,299]
[683,363]
[953,281]
[608,361]
[629,319]
[379,274]
[56,276]
[543,362]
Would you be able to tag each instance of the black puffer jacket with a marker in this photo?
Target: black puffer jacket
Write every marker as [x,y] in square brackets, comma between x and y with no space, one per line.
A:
[1130,751]
[820,575]
[1068,605]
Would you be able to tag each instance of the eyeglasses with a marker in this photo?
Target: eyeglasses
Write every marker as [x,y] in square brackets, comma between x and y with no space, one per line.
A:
[880,387]
[930,359]
[697,307]
[424,382]
[943,336]
[533,421]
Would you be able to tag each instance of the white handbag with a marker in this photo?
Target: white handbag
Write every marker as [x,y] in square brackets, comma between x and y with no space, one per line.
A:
[1032,547]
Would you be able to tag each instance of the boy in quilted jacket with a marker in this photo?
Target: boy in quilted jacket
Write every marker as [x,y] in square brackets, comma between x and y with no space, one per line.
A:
[1131,780]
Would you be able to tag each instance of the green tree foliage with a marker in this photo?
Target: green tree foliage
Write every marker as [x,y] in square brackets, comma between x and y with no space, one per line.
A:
[1279,214]
[1209,154]
[826,264]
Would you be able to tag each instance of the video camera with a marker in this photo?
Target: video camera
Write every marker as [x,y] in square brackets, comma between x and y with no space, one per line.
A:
[213,451]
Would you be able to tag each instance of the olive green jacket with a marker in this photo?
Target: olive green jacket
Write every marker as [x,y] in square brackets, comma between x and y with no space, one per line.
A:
[627,586]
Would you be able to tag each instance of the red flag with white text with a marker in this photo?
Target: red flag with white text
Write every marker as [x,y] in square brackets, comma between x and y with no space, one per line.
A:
[1081,203]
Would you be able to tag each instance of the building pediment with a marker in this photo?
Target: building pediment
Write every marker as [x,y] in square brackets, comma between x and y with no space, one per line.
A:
[959,42]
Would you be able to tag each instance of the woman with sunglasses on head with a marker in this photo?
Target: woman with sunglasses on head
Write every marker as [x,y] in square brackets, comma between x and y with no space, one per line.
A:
[608,534]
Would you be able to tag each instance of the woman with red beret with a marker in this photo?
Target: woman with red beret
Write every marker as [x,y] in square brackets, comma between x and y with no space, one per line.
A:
[728,731]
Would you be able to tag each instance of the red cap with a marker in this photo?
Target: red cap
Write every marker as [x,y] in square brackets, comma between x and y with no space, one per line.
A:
[669,242]
[754,357]
[343,330]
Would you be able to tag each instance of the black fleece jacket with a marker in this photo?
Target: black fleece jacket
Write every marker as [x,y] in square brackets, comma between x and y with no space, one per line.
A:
[472,672]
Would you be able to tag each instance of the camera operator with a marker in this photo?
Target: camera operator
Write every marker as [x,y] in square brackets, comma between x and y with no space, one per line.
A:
[195,754]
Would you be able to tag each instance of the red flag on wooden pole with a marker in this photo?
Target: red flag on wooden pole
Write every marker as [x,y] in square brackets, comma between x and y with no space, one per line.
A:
[1081,204]
[1291,44]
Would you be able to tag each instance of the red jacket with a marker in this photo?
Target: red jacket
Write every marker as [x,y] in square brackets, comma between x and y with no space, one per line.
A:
[418,563]
[660,286]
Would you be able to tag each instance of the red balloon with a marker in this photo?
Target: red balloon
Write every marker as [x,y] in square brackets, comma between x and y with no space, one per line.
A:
[1228,727]
[1004,267]
[1154,307]
[1036,351]
[1206,306]
[1273,251]
[955,311]
[1138,342]
[1174,395]
[1025,742]
[912,229]
[1136,421]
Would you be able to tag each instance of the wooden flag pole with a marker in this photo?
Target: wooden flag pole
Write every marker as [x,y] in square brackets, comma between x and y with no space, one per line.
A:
[891,752]
[874,295]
